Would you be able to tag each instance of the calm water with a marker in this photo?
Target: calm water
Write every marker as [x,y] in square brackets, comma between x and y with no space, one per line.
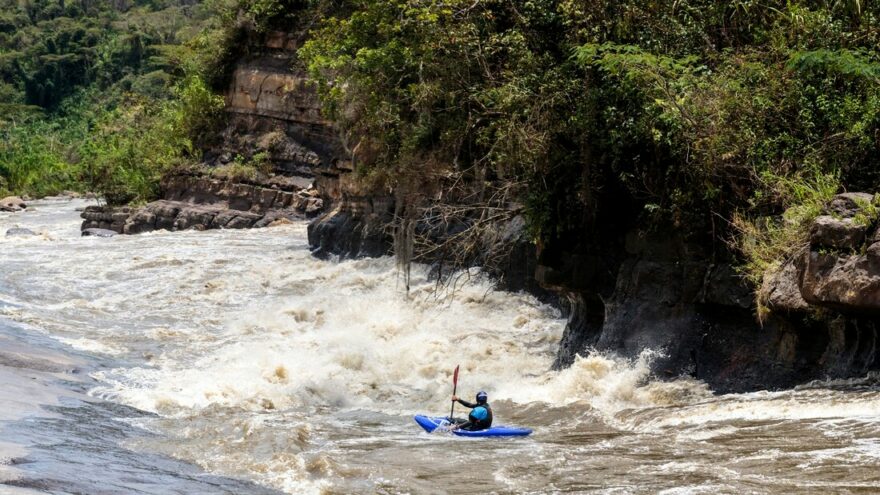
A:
[233,362]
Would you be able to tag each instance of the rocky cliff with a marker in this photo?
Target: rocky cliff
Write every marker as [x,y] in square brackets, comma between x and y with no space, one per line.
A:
[627,285]
[636,288]
[674,296]
[271,111]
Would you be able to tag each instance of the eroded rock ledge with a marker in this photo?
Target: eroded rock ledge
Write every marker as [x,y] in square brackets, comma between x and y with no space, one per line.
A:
[840,269]
[199,202]
[665,293]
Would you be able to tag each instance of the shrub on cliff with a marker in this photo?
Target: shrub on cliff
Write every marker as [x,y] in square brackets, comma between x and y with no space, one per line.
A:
[695,112]
[130,148]
[470,84]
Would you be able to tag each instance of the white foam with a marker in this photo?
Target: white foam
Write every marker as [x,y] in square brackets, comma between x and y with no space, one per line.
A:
[89,345]
[369,346]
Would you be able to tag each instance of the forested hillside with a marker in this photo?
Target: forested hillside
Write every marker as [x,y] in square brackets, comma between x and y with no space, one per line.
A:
[91,93]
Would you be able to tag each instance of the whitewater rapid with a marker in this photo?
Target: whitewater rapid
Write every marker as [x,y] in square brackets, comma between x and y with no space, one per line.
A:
[238,354]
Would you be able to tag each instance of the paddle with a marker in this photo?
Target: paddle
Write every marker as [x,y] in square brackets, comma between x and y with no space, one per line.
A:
[454,390]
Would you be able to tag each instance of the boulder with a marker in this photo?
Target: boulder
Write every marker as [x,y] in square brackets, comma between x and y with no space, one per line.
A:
[846,277]
[782,290]
[19,232]
[189,217]
[141,221]
[846,283]
[314,206]
[837,233]
[94,232]
[12,203]
[241,222]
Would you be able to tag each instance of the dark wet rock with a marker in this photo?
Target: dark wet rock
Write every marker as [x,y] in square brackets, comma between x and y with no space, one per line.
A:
[189,217]
[665,304]
[19,232]
[355,228]
[143,221]
[782,289]
[241,221]
[725,286]
[12,203]
[95,232]
[105,217]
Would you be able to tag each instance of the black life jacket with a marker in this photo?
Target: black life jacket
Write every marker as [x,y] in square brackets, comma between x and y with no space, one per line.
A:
[482,423]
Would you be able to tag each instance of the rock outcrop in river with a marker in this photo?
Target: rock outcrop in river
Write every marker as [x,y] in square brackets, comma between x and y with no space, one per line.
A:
[200,202]
[12,203]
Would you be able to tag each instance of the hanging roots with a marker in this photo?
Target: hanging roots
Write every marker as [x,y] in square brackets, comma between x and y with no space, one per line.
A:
[461,230]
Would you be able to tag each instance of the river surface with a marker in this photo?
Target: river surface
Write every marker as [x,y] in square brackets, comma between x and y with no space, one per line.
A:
[234,362]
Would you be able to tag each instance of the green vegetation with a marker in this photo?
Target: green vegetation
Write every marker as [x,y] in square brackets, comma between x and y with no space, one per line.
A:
[100,96]
[241,168]
[695,110]
[734,120]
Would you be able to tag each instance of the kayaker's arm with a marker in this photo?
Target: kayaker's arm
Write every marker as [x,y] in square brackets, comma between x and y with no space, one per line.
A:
[467,404]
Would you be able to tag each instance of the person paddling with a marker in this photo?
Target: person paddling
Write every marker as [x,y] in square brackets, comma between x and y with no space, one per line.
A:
[480,417]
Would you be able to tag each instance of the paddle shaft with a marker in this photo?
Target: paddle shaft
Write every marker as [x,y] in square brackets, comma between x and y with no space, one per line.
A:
[454,390]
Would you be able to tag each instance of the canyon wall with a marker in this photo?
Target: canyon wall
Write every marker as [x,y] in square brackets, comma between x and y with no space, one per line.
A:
[626,285]
[271,112]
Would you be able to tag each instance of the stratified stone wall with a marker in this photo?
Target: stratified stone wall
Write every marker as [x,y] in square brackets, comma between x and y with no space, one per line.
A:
[198,202]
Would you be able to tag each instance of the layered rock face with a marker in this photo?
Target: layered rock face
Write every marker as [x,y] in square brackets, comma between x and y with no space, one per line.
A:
[198,202]
[271,110]
[671,296]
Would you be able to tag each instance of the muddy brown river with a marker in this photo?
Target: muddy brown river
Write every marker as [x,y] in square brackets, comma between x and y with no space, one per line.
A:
[234,362]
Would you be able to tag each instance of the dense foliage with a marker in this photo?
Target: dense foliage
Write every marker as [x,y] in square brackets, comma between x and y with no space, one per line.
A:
[696,110]
[99,95]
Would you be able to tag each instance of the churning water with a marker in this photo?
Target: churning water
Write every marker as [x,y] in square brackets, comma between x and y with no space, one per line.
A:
[234,362]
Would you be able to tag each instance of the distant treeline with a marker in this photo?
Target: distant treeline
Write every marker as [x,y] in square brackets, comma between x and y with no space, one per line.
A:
[92,93]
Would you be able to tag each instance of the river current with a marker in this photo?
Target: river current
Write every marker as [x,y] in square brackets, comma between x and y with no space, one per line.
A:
[232,361]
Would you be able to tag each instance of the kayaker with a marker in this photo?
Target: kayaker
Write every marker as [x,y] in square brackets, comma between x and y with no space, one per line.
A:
[480,417]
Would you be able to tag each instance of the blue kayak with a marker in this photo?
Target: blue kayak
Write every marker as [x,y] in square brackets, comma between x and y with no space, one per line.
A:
[432,423]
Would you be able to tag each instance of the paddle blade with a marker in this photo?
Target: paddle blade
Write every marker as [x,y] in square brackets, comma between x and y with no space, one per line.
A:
[455,375]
